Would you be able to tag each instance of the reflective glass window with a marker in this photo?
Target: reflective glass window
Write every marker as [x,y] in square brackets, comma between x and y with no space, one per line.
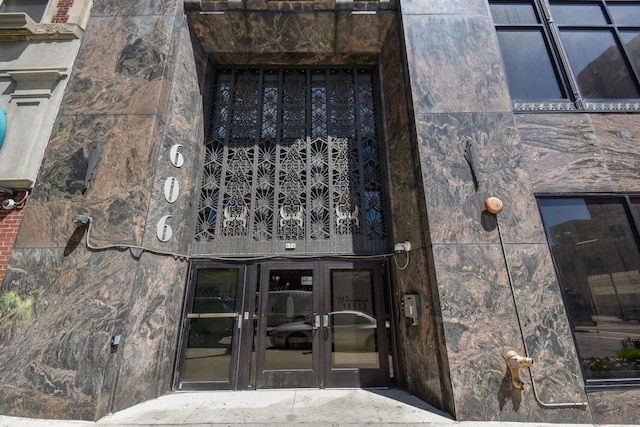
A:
[625,13]
[598,64]
[635,205]
[513,13]
[631,40]
[596,254]
[578,14]
[555,50]
[530,72]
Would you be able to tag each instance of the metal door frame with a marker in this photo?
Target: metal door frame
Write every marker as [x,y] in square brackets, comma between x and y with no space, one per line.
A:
[322,375]
[253,278]
[350,377]
[236,376]
[287,378]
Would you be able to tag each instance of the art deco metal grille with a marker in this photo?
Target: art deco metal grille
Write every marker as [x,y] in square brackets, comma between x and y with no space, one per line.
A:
[292,160]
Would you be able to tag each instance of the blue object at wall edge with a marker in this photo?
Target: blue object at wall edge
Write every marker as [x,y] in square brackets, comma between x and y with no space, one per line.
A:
[3,126]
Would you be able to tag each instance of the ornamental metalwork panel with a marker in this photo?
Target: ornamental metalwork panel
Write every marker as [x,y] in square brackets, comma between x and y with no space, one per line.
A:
[292,155]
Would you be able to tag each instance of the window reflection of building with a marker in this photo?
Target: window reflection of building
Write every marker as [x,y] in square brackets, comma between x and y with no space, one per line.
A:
[592,45]
[607,76]
[598,264]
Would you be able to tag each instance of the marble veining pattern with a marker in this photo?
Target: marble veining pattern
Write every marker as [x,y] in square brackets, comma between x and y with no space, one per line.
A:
[455,64]
[126,75]
[65,342]
[150,330]
[562,153]
[619,138]
[422,357]
[286,33]
[455,208]
[610,407]
[119,100]
[480,321]
[546,327]
[120,192]
[185,127]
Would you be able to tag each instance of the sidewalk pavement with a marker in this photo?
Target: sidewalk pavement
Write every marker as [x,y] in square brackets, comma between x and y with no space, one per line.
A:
[294,407]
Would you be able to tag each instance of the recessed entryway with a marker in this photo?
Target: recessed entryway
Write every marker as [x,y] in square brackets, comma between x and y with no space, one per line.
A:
[285,325]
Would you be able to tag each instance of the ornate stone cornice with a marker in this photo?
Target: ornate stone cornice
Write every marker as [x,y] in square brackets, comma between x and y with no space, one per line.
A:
[19,26]
[34,83]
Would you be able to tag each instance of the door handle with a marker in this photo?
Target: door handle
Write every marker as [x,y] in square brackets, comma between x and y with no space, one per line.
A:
[316,321]
[325,321]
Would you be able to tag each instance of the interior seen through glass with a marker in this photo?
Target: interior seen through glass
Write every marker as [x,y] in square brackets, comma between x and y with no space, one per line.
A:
[208,353]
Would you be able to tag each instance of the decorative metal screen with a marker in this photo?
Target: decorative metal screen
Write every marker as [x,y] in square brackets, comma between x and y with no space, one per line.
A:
[292,164]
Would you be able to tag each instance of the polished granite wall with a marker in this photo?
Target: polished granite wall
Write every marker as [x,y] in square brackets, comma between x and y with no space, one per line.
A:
[421,362]
[459,95]
[134,92]
[586,153]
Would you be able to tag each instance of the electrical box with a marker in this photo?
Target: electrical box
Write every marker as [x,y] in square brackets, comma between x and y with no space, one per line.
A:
[411,304]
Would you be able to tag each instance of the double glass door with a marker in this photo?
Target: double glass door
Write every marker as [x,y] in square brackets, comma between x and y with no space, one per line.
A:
[284,325]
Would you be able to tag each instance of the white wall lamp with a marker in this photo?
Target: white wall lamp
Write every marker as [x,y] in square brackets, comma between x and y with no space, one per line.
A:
[82,220]
[398,248]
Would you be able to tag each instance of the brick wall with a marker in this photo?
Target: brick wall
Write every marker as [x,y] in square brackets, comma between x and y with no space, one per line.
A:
[62,13]
[9,225]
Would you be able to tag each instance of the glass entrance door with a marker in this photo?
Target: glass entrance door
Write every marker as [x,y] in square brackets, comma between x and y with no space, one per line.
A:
[211,332]
[284,325]
[357,334]
[322,325]
[287,337]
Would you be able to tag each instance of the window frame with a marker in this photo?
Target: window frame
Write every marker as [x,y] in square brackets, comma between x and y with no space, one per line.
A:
[558,56]
[44,4]
[633,217]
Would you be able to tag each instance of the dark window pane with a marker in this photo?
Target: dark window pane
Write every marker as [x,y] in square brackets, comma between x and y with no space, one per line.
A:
[598,64]
[631,40]
[33,8]
[635,206]
[513,13]
[625,13]
[577,14]
[598,263]
[530,71]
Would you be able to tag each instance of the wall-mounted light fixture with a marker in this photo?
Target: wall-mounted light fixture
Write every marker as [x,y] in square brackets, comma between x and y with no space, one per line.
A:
[82,220]
[402,247]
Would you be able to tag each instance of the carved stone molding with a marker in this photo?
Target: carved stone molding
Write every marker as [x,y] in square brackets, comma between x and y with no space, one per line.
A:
[34,83]
[19,26]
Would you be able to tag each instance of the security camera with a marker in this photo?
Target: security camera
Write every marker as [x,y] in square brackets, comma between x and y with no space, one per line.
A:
[81,219]
[8,204]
